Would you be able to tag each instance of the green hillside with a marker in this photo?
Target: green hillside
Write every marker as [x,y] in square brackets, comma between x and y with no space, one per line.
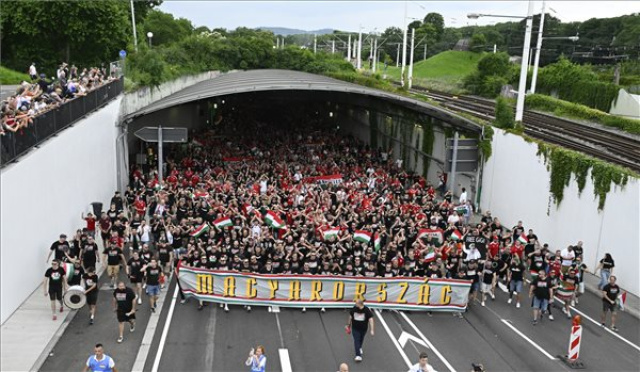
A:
[446,68]
[10,77]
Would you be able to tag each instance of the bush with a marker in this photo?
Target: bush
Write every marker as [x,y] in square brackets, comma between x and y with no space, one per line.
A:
[493,72]
[573,110]
[504,114]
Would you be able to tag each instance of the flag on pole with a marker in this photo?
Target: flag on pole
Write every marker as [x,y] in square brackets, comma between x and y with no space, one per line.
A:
[523,239]
[274,221]
[332,231]
[622,300]
[376,242]
[456,235]
[200,230]
[222,222]
[362,236]
[435,236]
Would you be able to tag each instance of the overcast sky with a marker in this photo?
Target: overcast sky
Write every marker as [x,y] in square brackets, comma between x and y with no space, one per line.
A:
[349,15]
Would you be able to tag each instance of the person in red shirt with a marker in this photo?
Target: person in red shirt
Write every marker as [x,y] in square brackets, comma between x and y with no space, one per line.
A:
[91,224]
[494,247]
[140,206]
[517,249]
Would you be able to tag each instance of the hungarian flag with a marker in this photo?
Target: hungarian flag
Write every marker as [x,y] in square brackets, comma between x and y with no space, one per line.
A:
[274,221]
[376,242]
[434,236]
[456,235]
[223,221]
[523,239]
[247,208]
[622,300]
[430,255]
[200,230]
[332,231]
[362,236]
[201,194]
[69,270]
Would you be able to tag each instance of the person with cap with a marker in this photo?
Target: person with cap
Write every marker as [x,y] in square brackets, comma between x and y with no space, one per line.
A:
[360,319]
[60,247]
[422,365]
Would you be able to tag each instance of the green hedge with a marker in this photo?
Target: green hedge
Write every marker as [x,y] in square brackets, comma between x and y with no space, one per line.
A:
[573,110]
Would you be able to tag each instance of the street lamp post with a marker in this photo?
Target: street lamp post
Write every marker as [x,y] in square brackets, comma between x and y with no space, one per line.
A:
[150,36]
[536,61]
[359,55]
[133,22]
[413,36]
[404,45]
[522,85]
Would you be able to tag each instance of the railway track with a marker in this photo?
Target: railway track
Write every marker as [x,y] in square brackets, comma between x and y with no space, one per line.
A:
[617,148]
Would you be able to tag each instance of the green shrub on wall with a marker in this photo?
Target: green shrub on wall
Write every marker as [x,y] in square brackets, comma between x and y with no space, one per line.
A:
[428,139]
[563,163]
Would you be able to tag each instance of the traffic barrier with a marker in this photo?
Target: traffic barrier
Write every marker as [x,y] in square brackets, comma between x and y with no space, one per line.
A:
[573,355]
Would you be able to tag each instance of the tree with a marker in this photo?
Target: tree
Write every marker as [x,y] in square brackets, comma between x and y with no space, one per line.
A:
[504,114]
[478,42]
[437,21]
[165,28]
[48,32]
[414,24]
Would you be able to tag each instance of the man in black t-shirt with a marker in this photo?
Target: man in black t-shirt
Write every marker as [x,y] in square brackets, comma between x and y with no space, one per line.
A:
[55,281]
[360,318]
[115,256]
[91,290]
[541,290]
[152,273]
[124,304]
[515,277]
[136,266]
[60,247]
[610,294]
[90,253]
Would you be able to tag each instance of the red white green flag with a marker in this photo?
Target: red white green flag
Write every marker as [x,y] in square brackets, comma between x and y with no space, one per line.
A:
[456,235]
[622,299]
[523,239]
[69,270]
[430,255]
[377,242]
[274,220]
[200,230]
[435,236]
[222,222]
[362,236]
[332,231]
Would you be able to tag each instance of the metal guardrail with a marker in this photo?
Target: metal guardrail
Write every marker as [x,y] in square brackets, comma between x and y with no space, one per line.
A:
[45,125]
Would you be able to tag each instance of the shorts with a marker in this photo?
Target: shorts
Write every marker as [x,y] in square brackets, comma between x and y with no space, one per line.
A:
[55,294]
[92,297]
[123,317]
[153,290]
[135,279]
[608,306]
[485,288]
[515,286]
[91,233]
[105,236]
[113,270]
[540,303]
[475,286]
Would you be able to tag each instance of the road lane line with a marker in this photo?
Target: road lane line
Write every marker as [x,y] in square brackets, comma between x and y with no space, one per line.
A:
[528,339]
[393,339]
[165,331]
[284,360]
[280,331]
[605,328]
[417,330]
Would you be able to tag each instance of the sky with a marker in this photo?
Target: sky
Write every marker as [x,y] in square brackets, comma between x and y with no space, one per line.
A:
[376,15]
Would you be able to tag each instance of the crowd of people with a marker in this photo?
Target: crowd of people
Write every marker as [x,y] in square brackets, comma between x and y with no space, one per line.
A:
[40,94]
[301,200]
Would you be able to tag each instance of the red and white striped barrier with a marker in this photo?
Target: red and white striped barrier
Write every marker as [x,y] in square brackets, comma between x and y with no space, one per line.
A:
[574,342]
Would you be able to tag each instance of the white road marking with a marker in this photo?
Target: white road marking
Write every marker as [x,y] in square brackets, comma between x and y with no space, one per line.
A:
[606,329]
[430,345]
[393,339]
[274,309]
[508,323]
[284,360]
[165,331]
[406,336]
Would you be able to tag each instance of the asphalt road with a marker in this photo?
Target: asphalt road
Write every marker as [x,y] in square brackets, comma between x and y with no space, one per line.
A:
[498,335]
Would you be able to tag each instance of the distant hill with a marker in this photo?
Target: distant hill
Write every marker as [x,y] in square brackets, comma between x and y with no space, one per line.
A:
[292,31]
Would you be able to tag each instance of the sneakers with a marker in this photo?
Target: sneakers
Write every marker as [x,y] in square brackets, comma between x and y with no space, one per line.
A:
[183,301]
[358,358]
[304,309]
[603,325]
[482,303]
[139,301]
[143,286]
[61,308]
[518,305]
[614,328]
[493,296]
[322,310]
[568,315]
[226,308]
[535,322]
[120,339]
[91,321]
[55,317]
[248,309]
[573,302]
[564,310]
[551,317]
[153,309]
[132,327]
[509,300]
[576,301]
[200,307]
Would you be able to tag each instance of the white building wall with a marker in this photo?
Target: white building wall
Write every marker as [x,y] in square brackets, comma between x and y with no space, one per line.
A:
[515,187]
[43,195]
[627,105]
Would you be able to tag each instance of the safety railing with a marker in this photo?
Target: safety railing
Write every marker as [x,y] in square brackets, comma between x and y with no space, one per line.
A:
[47,124]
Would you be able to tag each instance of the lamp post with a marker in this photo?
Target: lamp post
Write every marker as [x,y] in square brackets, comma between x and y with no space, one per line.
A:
[522,85]
[413,36]
[133,22]
[150,36]
[359,55]
[404,45]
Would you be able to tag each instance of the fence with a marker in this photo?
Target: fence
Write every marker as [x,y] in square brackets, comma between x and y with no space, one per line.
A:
[13,145]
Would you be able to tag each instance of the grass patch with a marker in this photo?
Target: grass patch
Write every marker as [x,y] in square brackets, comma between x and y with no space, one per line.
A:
[11,77]
[576,111]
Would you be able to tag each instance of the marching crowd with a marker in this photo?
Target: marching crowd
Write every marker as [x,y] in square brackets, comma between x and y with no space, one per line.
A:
[299,201]
[40,95]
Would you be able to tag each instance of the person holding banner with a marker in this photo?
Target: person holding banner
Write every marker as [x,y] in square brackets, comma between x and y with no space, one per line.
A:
[257,360]
[360,318]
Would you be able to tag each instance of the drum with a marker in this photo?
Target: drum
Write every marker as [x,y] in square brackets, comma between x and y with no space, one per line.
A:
[74,298]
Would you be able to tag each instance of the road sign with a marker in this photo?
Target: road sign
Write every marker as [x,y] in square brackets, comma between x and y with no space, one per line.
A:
[467,157]
[169,135]
[123,53]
